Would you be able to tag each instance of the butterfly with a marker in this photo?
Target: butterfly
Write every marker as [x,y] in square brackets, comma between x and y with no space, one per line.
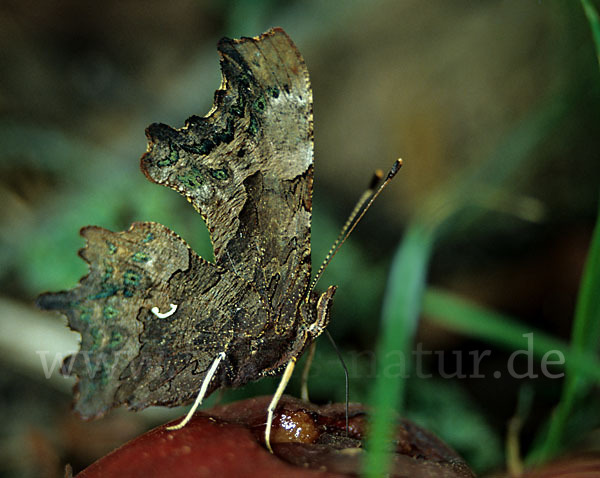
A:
[159,324]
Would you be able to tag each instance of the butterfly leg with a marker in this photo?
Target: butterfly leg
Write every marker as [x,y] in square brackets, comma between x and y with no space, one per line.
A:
[275,400]
[306,370]
[209,375]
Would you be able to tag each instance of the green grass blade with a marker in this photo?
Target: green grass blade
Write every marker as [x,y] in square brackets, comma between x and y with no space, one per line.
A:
[400,315]
[585,339]
[586,329]
[447,209]
[475,321]
[592,15]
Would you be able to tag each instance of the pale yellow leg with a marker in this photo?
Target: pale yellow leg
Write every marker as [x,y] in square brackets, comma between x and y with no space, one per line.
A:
[275,400]
[209,375]
[309,360]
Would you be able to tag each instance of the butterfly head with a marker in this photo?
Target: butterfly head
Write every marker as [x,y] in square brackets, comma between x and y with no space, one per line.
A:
[316,314]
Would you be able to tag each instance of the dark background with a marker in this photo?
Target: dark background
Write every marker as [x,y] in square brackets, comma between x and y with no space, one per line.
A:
[444,85]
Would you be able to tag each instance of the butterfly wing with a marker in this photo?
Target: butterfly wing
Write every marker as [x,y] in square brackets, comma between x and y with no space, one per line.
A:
[128,353]
[247,167]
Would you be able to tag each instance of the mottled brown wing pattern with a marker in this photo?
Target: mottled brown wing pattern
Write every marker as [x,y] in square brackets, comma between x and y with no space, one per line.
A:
[131,355]
[247,166]
[152,314]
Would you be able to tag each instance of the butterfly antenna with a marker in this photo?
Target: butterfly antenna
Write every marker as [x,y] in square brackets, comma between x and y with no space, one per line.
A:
[362,206]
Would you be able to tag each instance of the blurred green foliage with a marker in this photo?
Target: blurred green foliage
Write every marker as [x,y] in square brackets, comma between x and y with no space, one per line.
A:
[406,287]
[61,170]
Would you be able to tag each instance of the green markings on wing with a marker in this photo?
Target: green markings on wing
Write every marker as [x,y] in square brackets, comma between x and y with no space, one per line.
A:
[140,256]
[219,174]
[193,178]
[149,238]
[109,312]
[170,160]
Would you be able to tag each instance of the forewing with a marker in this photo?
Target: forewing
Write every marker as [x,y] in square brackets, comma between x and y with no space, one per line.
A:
[247,165]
